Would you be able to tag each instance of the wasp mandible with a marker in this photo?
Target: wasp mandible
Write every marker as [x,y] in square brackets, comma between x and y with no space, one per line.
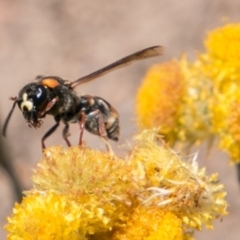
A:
[55,96]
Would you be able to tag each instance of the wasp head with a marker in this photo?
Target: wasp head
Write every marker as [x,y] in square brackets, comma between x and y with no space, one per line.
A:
[31,100]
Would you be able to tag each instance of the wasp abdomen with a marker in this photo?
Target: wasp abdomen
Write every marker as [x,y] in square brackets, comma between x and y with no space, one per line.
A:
[113,131]
[112,125]
[98,110]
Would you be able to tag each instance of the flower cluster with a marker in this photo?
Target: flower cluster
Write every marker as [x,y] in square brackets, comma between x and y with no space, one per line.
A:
[152,193]
[221,65]
[193,102]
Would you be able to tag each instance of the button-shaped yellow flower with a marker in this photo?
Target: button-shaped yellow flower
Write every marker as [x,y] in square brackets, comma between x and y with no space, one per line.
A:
[174,96]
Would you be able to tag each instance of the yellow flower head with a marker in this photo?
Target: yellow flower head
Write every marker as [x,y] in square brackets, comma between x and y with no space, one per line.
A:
[221,65]
[177,185]
[157,225]
[173,98]
[221,60]
[224,43]
[159,97]
[81,193]
[97,180]
[230,132]
[46,216]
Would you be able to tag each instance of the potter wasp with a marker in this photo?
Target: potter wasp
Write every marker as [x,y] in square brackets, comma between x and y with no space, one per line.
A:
[51,95]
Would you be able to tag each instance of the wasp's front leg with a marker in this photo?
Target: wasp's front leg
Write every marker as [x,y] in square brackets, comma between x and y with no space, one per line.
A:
[48,133]
[48,107]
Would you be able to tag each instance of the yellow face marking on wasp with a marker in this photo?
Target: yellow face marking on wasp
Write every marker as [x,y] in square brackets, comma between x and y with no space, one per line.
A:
[26,104]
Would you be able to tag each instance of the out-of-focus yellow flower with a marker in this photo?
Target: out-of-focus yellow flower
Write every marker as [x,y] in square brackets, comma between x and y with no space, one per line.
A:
[88,194]
[221,65]
[222,53]
[228,127]
[221,60]
[193,102]
[159,97]
[174,96]
[230,141]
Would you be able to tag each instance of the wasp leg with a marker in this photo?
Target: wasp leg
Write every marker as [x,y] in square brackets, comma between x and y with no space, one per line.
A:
[103,133]
[82,126]
[102,130]
[66,134]
[101,125]
[48,106]
[48,133]
[108,146]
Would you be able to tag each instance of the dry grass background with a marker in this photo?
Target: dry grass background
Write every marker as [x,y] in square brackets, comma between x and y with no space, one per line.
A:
[73,38]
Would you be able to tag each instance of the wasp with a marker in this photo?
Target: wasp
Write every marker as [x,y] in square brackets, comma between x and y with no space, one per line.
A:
[52,95]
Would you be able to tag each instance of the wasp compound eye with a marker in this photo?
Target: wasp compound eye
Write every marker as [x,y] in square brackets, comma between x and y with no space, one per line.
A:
[39,99]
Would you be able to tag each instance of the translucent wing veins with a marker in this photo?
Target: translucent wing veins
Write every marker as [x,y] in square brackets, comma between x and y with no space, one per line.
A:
[145,53]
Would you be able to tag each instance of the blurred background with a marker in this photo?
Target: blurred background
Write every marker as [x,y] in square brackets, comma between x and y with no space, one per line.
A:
[76,37]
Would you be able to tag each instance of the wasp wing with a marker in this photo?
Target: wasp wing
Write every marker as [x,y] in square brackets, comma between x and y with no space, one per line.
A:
[145,53]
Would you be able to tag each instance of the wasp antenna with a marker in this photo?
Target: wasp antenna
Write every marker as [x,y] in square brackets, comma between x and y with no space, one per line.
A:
[9,116]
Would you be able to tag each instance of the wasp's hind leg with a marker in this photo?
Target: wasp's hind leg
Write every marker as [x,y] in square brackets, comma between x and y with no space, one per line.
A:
[82,122]
[97,126]
[108,146]
[66,134]
[103,132]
